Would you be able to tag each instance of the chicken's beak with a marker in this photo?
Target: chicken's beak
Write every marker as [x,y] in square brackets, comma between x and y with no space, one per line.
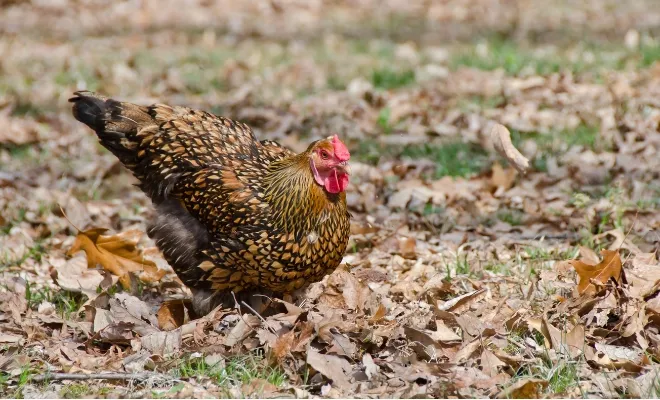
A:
[344,167]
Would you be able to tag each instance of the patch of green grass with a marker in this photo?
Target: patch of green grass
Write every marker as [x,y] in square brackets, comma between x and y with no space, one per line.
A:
[370,151]
[35,252]
[508,56]
[71,77]
[430,209]
[234,371]
[460,265]
[388,78]
[514,58]
[650,54]
[511,216]
[541,254]
[498,268]
[556,143]
[66,303]
[456,159]
[75,391]
[13,221]
[553,142]
[384,119]
[24,108]
[18,383]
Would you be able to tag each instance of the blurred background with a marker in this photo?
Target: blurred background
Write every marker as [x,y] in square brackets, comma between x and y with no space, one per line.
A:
[412,86]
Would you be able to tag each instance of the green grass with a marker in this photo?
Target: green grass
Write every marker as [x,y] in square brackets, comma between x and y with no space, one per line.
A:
[388,78]
[455,159]
[14,220]
[583,135]
[562,376]
[514,58]
[18,382]
[511,216]
[650,54]
[541,254]
[66,303]
[557,142]
[75,391]
[35,252]
[498,268]
[235,371]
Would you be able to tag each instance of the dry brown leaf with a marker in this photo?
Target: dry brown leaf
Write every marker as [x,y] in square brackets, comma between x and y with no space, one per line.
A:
[283,344]
[259,388]
[443,333]
[644,276]
[502,142]
[609,267]
[75,276]
[332,367]
[171,315]
[490,363]
[468,350]
[407,246]
[117,254]
[242,329]
[619,357]
[589,256]
[462,302]
[344,290]
[502,179]
[162,343]
[380,313]
[575,341]
[524,389]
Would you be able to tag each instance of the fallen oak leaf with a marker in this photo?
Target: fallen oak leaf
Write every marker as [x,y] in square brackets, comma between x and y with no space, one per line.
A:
[501,138]
[609,267]
[117,254]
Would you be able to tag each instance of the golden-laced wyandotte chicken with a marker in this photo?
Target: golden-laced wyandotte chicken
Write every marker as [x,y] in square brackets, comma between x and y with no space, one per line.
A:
[233,214]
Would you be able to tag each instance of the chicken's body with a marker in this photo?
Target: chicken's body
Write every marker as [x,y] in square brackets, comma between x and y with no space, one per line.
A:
[234,216]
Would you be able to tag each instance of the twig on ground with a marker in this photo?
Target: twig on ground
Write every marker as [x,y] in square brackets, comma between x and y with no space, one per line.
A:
[82,377]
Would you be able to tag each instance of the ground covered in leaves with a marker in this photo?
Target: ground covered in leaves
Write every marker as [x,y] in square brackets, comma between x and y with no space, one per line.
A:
[463,278]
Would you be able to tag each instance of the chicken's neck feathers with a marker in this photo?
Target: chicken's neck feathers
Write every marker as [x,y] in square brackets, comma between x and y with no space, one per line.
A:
[296,200]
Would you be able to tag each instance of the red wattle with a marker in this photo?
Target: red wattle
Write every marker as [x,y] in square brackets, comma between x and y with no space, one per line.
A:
[332,183]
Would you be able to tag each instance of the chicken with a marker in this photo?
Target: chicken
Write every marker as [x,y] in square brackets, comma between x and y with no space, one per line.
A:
[235,217]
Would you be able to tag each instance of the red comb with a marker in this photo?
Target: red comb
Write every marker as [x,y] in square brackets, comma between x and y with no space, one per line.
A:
[341,151]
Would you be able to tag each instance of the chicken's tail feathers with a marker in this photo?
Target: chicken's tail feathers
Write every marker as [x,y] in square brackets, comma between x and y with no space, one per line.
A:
[116,123]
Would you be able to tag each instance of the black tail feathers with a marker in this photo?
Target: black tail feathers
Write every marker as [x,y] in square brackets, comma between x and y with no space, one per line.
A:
[116,124]
[90,109]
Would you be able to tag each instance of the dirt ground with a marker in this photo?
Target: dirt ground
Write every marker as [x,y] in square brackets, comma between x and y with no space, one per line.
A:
[463,277]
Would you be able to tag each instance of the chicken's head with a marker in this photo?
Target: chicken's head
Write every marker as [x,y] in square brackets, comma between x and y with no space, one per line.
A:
[329,162]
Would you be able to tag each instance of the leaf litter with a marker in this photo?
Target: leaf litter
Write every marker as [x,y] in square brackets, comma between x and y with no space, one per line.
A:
[525,269]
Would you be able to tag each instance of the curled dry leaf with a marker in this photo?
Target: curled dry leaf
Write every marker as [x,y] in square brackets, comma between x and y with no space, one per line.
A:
[117,254]
[171,315]
[609,267]
[501,138]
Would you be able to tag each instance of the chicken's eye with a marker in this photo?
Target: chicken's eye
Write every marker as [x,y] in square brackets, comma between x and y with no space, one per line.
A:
[325,155]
